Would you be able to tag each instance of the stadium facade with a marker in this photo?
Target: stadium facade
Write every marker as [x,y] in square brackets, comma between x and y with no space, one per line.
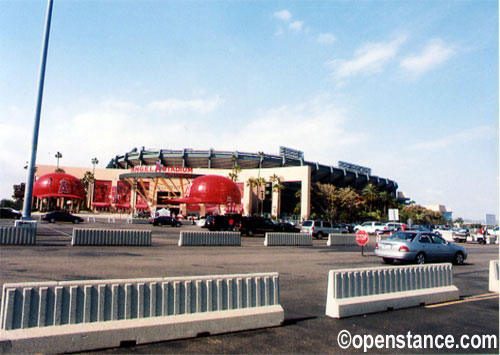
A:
[147,179]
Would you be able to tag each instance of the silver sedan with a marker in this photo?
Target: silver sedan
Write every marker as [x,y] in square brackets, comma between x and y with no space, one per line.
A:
[419,247]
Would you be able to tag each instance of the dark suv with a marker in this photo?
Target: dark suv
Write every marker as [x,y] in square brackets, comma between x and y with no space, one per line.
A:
[230,222]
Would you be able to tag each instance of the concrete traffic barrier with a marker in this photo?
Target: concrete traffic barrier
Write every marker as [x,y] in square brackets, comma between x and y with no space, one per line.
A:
[288,239]
[202,238]
[89,236]
[137,220]
[73,316]
[25,235]
[90,219]
[359,291]
[494,284]
[341,240]
[111,220]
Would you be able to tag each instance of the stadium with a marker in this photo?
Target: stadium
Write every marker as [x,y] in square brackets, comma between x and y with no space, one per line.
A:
[145,179]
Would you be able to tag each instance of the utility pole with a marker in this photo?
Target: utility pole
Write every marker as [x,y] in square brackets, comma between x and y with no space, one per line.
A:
[28,195]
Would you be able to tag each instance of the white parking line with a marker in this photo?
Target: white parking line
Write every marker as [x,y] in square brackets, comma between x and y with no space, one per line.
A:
[54,230]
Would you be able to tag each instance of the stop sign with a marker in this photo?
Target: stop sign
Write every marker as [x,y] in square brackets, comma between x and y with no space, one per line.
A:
[362,238]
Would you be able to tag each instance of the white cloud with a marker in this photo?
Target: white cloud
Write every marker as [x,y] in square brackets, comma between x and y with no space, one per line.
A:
[195,105]
[283,15]
[435,53]
[368,59]
[296,26]
[468,135]
[327,38]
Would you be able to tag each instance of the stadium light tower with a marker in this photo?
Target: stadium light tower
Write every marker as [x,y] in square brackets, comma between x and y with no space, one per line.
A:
[28,193]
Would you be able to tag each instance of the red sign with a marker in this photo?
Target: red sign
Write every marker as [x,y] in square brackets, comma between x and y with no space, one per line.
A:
[362,238]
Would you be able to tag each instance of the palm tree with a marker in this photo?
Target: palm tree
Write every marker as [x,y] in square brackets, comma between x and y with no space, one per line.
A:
[235,170]
[256,182]
[370,194]
[58,156]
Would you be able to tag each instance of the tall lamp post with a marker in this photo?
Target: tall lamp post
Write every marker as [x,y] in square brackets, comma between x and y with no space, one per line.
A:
[28,194]
[94,163]
[58,156]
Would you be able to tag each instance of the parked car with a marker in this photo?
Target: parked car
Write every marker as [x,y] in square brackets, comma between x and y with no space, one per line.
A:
[260,226]
[494,231]
[460,234]
[392,227]
[61,216]
[369,227]
[201,222]
[165,221]
[319,229]
[419,247]
[287,227]
[6,212]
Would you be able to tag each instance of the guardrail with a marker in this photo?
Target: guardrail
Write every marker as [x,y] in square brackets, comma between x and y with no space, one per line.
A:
[24,235]
[368,290]
[73,316]
[89,236]
[288,239]
[341,240]
[494,283]
[202,238]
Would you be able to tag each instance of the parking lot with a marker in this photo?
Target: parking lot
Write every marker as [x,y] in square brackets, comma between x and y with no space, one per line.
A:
[303,279]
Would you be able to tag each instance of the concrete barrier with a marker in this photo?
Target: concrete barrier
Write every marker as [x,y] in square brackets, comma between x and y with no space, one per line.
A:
[90,219]
[25,235]
[111,220]
[494,284]
[368,290]
[197,238]
[73,316]
[89,236]
[341,240]
[137,220]
[288,239]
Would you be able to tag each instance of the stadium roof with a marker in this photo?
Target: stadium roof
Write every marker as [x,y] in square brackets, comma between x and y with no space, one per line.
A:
[216,159]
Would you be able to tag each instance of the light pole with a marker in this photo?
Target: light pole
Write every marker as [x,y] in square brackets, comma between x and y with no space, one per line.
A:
[58,156]
[28,194]
[94,163]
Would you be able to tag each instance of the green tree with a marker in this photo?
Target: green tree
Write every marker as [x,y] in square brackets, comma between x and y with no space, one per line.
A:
[87,179]
[256,182]
[18,195]
[235,171]
[459,220]
[8,203]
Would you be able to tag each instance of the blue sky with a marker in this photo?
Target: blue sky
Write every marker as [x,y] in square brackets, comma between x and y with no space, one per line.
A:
[407,88]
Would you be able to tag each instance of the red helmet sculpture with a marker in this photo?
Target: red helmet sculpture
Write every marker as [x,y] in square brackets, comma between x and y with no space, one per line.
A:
[58,185]
[213,189]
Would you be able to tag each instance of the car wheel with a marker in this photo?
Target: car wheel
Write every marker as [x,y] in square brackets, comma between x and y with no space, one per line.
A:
[388,261]
[320,235]
[250,233]
[52,220]
[458,259]
[76,221]
[159,224]
[420,259]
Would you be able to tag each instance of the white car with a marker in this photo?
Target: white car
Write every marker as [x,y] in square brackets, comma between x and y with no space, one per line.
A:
[319,229]
[201,222]
[494,231]
[369,227]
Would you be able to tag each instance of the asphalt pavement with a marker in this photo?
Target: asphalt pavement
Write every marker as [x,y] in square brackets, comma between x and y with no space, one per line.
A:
[303,279]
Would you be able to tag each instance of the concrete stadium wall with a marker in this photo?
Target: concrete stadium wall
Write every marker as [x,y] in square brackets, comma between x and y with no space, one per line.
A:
[288,239]
[494,283]
[368,290]
[341,240]
[17,235]
[91,236]
[73,316]
[202,238]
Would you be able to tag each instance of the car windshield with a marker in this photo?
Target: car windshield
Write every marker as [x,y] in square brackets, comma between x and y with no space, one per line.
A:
[307,224]
[402,237]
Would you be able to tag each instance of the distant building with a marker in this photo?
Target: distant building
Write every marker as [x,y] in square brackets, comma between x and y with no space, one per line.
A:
[448,215]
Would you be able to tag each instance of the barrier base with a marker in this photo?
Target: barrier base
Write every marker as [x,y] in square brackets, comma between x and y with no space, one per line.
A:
[346,307]
[101,335]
